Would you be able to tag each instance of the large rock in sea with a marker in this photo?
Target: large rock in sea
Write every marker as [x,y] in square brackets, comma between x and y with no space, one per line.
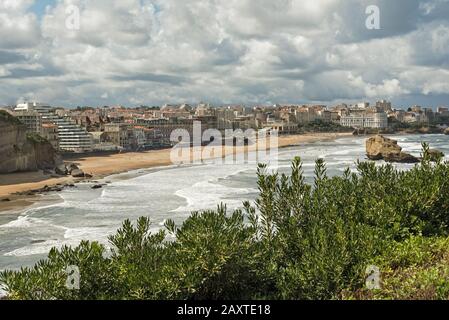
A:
[400,157]
[382,148]
[77,173]
[379,146]
[435,155]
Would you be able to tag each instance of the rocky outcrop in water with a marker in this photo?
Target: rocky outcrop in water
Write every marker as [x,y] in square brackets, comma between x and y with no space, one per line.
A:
[434,155]
[382,148]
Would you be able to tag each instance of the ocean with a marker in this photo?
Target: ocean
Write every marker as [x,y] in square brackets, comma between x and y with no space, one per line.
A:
[173,192]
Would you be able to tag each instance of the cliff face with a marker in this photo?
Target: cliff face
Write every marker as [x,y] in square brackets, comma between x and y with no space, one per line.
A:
[19,153]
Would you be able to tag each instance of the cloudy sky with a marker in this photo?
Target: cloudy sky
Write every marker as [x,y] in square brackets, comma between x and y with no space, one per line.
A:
[151,52]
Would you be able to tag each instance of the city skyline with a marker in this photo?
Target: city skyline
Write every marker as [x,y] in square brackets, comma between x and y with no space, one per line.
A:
[155,52]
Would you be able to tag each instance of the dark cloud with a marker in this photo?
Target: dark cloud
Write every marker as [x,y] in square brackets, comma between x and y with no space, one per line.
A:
[22,73]
[397,18]
[7,57]
[148,77]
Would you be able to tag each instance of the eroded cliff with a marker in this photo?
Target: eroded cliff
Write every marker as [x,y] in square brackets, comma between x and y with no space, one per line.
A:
[21,152]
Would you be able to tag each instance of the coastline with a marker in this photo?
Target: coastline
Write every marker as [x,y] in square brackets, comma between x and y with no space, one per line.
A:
[103,166]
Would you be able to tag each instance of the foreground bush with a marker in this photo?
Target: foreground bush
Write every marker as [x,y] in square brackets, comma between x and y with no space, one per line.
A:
[299,241]
[416,269]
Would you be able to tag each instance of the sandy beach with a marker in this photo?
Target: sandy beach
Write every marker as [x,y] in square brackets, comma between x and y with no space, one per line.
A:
[102,166]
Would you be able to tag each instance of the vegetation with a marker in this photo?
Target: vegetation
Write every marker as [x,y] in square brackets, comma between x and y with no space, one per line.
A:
[35,138]
[417,268]
[395,126]
[321,126]
[299,241]
[6,117]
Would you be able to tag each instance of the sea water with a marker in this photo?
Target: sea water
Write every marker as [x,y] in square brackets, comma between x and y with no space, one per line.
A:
[164,193]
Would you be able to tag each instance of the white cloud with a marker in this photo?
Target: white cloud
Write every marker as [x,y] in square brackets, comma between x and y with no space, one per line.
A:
[18,29]
[157,51]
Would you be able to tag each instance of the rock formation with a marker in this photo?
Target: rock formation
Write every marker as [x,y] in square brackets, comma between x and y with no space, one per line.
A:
[381,148]
[61,170]
[434,155]
[20,151]
[77,173]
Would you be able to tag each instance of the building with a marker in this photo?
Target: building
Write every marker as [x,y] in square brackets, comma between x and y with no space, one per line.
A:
[174,111]
[117,134]
[225,117]
[282,127]
[51,133]
[72,138]
[31,119]
[365,120]
[416,109]
[33,106]
[415,118]
[305,115]
[360,105]
[384,106]
[443,111]
[138,137]
[203,110]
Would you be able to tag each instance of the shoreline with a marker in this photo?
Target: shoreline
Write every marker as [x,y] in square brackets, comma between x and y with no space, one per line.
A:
[101,167]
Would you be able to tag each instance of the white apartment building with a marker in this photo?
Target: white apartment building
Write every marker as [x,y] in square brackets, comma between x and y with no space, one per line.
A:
[31,119]
[72,138]
[363,120]
[415,117]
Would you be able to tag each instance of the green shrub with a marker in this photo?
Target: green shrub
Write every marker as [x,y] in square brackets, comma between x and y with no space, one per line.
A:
[298,241]
[321,126]
[6,117]
[417,269]
[36,138]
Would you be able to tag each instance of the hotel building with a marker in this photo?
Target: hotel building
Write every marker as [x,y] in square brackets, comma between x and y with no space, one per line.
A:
[364,120]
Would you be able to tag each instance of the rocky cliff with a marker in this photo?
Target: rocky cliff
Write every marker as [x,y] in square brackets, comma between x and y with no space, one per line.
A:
[22,152]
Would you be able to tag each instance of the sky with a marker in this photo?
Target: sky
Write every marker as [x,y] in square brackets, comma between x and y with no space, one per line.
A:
[152,52]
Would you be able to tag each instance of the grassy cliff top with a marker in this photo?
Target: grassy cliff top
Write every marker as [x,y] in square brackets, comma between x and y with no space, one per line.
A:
[36,138]
[6,117]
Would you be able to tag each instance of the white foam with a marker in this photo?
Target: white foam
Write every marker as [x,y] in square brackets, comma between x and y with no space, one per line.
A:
[24,222]
[3,292]
[72,237]
[88,233]
[36,249]
[207,195]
